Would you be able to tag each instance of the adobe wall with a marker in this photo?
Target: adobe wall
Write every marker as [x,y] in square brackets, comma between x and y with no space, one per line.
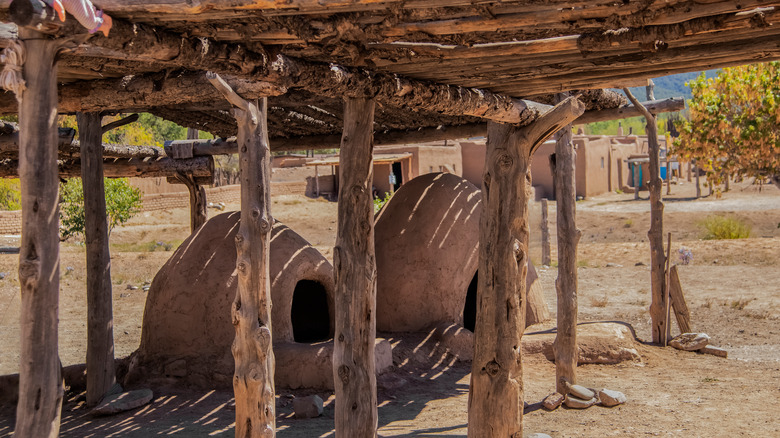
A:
[429,158]
[473,158]
[11,222]
[187,316]
[427,239]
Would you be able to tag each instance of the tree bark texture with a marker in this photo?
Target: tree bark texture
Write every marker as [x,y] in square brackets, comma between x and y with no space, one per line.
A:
[354,266]
[100,319]
[546,259]
[198,214]
[677,297]
[202,168]
[565,345]
[655,234]
[253,378]
[40,374]
[496,393]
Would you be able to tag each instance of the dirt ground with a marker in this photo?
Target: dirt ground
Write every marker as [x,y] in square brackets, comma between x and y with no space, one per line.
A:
[732,288]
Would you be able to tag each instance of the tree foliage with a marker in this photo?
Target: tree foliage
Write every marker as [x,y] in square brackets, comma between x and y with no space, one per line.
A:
[122,203]
[734,123]
[10,195]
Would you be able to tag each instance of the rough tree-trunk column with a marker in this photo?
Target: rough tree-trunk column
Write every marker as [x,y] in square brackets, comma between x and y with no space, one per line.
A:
[354,267]
[100,319]
[197,192]
[496,394]
[253,379]
[655,234]
[40,375]
[546,259]
[565,346]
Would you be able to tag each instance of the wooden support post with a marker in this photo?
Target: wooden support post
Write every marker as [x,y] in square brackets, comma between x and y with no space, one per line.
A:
[354,267]
[698,185]
[667,310]
[636,168]
[198,214]
[690,164]
[546,258]
[317,181]
[655,234]
[40,374]
[681,312]
[565,345]
[496,397]
[101,375]
[253,379]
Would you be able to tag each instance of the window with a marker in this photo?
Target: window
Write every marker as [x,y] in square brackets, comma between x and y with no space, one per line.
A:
[602,162]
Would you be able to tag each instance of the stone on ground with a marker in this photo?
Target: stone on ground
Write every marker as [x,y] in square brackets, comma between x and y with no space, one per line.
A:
[715,351]
[307,407]
[578,403]
[539,435]
[580,392]
[604,343]
[125,401]
[611,398]
[690,341]
[552,401]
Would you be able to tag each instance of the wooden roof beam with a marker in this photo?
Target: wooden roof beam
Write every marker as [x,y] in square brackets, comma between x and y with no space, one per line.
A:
[148,43]
[201,168]
[222,146]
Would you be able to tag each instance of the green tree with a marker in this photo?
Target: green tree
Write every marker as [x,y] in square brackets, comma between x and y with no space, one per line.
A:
[10,195]
[733,125]
[122,202]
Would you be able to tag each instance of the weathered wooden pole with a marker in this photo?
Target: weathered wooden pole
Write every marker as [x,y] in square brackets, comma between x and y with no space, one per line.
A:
[655,234]
[636,168]
[354,267]
[40,375]
[101,374]
[198,214]
[253,379]
[496,394]
[565,345]
[698,184]
[546,258]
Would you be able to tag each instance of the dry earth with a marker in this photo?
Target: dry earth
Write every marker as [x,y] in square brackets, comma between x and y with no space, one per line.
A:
[731,287]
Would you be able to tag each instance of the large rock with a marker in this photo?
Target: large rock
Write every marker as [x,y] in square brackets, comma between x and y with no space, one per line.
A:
[597,343]
[690,341]
[578,403]
[125,401]
[307,407]
[552,401]
[611,398]
[580,391]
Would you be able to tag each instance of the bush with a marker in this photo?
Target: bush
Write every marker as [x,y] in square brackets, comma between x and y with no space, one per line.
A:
[720,227]
[10,195]
[122,203]
[380,202]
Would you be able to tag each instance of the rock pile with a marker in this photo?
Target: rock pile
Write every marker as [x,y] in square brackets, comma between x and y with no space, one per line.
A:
[580,397]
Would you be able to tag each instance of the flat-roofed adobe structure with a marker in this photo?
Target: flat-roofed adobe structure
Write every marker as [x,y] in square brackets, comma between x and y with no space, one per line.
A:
[305,74]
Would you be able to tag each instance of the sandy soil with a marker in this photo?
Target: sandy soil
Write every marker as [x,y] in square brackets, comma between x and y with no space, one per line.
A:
[731,288]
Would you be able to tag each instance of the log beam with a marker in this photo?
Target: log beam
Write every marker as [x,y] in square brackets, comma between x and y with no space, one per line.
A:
[253,379]
[101,375]
[141,92]
[70,148]
[222,146]
[354,267]
[565,345]
[496,396]
[40,374]
[200,167]
[658,302]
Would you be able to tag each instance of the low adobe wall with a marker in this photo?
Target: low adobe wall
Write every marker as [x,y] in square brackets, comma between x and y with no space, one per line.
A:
[427,241]
[187,330]
[11,222]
